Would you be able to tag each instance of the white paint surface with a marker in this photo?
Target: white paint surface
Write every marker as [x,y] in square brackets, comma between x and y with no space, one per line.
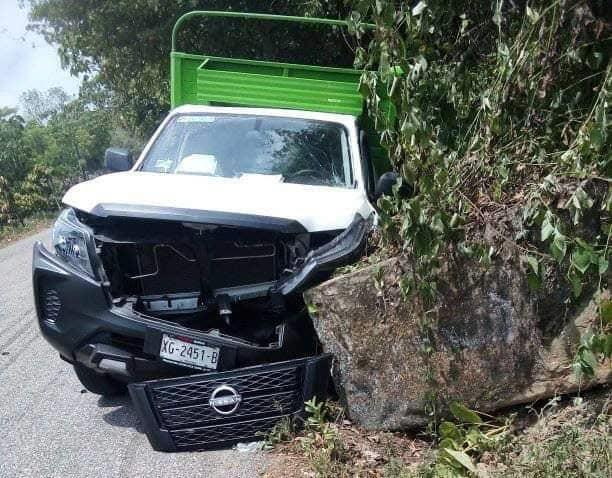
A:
[317,208]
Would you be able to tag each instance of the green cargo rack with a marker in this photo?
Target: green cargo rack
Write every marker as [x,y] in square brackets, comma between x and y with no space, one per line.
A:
[209,80]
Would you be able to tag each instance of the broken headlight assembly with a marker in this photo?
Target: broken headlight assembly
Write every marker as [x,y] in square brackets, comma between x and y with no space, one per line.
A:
[73,242]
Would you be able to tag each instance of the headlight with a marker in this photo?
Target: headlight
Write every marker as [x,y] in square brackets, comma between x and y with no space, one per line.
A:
[71,241]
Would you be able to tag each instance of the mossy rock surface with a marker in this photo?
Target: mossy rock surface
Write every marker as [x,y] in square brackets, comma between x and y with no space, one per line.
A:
[493,342]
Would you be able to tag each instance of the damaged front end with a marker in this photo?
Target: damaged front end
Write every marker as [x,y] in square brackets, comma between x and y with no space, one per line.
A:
[143,295]
[222,278]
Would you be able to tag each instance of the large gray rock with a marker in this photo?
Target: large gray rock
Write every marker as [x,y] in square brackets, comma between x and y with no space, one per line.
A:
[494,342]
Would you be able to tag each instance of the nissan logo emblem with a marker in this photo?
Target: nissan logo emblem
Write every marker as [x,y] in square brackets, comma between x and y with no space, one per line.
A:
[224,400]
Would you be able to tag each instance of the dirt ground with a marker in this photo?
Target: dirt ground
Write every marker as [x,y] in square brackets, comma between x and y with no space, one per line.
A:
[365,453]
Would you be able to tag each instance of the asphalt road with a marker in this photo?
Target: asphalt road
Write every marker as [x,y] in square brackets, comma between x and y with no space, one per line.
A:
[50,427]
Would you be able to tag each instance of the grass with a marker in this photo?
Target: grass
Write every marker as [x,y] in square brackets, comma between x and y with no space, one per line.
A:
[13,232]
[327,445]
[569,437]
[572,441]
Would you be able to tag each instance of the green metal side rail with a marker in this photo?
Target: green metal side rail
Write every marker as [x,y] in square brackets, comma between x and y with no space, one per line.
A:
[203,79]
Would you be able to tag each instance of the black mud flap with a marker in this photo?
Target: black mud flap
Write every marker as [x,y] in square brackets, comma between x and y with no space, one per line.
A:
[215,410]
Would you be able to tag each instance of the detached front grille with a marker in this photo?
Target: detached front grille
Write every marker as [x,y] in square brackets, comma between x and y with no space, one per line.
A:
[179,415]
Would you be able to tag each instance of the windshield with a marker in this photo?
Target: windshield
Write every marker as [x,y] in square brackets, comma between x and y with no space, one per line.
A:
[262,148]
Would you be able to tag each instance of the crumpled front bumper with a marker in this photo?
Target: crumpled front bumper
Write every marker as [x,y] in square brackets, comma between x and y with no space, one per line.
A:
[180,414]
[77,317]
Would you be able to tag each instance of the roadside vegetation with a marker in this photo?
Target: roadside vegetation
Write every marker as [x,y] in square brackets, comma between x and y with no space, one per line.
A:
[569,437]
[53,143]
[497,114]
[32,224]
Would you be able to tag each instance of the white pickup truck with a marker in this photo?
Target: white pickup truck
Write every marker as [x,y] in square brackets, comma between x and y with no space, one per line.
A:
[192,260]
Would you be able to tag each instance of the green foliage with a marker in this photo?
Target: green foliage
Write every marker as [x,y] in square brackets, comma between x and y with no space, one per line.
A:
[39,106]
[594,347]
[324,451]
[282,432]
[574,442]
[30,225]
[318,414]
[497,113]
[6,111]
[570,441]
[464,414]
[563,439]
[61,141]
[37,192]
[15,161]
[316,425]
[322,443]
[461,442]
[124,46]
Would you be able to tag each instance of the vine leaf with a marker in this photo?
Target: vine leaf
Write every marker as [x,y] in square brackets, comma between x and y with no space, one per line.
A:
[558,248]
[534,264]
[547,228]
[464,414]
[419,8]
[577,203]
[312,310]
[581,260]
[576,282]
[461,458]
[532,14]
[448,430]
[606,312]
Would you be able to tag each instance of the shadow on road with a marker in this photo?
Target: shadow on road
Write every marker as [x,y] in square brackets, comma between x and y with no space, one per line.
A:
[122,413]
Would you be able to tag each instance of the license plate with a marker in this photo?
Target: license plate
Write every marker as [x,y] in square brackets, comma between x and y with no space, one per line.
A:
[190,354]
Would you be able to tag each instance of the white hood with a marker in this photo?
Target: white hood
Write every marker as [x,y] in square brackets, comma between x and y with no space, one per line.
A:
[317,208]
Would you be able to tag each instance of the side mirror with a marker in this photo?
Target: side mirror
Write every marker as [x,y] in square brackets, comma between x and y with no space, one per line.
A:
[118,159]
[385,184]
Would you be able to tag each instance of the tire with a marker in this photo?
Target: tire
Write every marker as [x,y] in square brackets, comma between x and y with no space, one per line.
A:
[97,383]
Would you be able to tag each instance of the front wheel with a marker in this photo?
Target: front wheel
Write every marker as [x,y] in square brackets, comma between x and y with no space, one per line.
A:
[98,383]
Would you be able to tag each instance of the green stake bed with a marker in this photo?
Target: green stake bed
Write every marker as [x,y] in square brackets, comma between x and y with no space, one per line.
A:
[208,80]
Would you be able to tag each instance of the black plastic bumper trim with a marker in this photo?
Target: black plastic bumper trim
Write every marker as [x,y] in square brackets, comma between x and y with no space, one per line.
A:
[344,249]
